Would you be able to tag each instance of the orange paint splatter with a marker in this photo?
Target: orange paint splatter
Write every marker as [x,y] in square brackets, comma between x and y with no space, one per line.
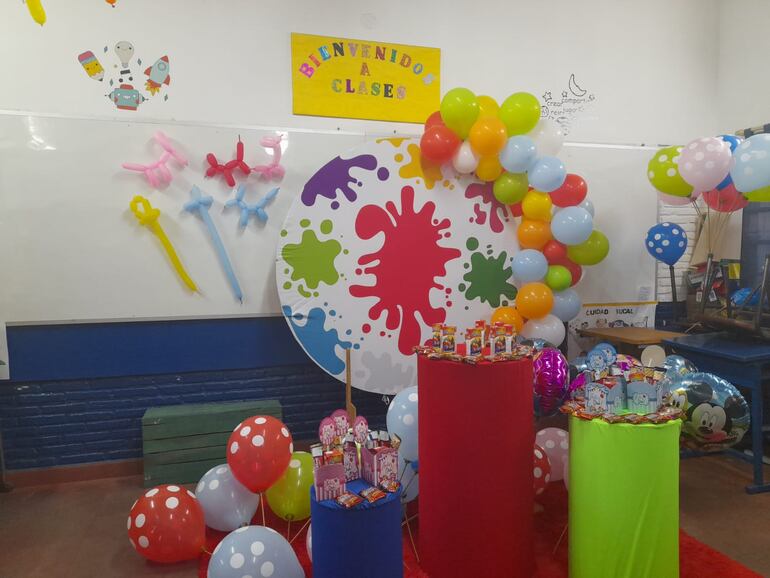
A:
[417,168]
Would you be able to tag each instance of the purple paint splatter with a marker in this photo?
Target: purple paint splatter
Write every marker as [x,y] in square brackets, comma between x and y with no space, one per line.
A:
[334,176]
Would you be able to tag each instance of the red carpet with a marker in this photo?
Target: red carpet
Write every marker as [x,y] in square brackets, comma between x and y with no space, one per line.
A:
[696,559]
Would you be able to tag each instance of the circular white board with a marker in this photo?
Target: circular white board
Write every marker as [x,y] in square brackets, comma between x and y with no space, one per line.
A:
[375,250]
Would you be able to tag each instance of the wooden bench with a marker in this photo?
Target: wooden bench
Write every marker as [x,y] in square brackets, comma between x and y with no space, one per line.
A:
[182,442]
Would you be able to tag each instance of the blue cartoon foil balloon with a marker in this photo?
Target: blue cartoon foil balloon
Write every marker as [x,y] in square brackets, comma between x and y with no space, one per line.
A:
[666,242]
[676,367]
[715,414]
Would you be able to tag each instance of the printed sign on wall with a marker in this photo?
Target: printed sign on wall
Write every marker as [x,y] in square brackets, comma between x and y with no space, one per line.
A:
[340,77]
[603,315]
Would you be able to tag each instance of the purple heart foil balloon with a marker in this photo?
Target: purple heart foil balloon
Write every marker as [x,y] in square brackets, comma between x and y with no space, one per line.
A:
[551,380]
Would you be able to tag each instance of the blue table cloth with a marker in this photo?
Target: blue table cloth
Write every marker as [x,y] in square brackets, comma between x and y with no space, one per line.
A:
[364,541]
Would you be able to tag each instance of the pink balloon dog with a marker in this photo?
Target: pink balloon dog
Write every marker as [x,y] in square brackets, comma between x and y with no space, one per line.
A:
[274,170]
[157,173]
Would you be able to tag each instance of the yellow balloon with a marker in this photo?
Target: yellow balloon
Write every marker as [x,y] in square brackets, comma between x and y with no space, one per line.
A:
[487,106]
[537,206]
[37,11]
[489,168]
[289,497]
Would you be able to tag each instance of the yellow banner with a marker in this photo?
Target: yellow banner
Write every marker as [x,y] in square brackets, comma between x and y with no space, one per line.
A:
[340,77]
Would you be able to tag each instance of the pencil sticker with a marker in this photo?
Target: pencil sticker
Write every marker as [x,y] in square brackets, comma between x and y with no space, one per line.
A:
[91,65]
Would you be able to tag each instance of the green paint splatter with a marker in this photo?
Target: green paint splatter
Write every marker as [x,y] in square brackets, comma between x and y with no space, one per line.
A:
[312,260]
[488,278]
[345,251]
[287,285]
[284,232]
[461,287]
[326,227]
[302,291]
[472,243]
[304,223]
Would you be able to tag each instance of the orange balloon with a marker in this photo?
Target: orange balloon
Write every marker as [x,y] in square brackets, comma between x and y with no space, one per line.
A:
[533,234]
[534,300]
[508,316]
[489,168]
[488,136]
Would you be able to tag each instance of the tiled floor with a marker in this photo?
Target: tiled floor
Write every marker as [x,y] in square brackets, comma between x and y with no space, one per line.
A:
[78,530]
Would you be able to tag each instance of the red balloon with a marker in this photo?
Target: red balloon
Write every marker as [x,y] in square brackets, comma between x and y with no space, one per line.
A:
[166,525]
[727,200]
[516,210]
[571,193]
[542,470]
[433,120]
[575,269]
[555,252]
[259,451]
[439,143]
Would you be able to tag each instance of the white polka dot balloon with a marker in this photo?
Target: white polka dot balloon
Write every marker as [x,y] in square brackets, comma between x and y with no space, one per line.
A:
[667,242]
[555,442]
[226,503]
[402,421]
[254,551]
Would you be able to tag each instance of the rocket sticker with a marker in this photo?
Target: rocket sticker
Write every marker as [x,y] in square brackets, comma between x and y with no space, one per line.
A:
[158,75]
[91,65]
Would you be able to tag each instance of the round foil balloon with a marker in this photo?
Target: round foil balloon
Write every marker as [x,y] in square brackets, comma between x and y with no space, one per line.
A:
[551,380]
[379,246]
[676,368]
[716,415]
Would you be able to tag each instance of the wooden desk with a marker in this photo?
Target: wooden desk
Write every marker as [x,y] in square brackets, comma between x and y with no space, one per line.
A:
[744,363]
[638,336]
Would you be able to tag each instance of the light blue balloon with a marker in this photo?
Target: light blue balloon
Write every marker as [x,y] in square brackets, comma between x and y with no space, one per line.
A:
[227,504]
[518,154]
[409,478]
[676,368]
[572,225]
[547,174]
[529,265]
[254,551]
[588,206]
[566,304]
[751,170]
[402,421]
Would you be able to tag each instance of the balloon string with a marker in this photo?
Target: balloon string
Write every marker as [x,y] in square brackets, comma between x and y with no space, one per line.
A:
[305,525]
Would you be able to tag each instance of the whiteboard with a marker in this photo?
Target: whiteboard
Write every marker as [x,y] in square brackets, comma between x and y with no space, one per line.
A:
[70,249]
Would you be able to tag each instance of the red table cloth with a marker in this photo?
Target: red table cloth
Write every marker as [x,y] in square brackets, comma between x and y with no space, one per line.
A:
[476,461]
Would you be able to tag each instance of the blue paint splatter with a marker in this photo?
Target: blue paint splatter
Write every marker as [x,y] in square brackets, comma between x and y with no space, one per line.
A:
[319,343]
[332,313]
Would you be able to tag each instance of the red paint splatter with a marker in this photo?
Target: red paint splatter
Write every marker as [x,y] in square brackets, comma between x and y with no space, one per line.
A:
[448,303]
[407,264]
[448,290]
[382,334]
[366,328]
[358,271]
[481,216]
[496,208]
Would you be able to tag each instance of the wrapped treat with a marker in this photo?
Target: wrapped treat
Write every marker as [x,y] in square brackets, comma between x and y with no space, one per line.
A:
[333,456]
[510,336]
[384,439]
[372,494]
[317,452]
[390,486]
[360,429]
[499,341]
[448,342]
[349,500]
[436,339]
[395,441]
[327,432]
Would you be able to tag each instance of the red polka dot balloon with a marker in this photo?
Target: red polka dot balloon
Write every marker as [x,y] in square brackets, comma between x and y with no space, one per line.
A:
[542,470]
[259,451]
[166,525]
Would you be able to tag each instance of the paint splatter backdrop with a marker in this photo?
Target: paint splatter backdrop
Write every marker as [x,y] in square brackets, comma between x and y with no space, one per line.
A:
[375,250]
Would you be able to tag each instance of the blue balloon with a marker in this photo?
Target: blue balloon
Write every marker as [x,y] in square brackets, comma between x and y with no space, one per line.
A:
[402,421]
[410,479]
[733,141]
[518,154]
[751,169]
[529,265]
[667,242]
[254,551]
[676,367]
[572,225]
[716,415]
[607,350]
[227,504]
[547,174]
[566,304]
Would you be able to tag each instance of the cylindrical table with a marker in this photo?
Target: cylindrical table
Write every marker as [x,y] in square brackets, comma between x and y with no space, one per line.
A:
[362,541]
[623,499]
[476,460]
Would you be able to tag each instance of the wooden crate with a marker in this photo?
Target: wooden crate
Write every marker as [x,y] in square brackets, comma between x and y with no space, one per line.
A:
[181,442]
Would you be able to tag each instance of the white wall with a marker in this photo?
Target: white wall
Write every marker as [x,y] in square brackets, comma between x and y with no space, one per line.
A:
[650,64]
[744,46]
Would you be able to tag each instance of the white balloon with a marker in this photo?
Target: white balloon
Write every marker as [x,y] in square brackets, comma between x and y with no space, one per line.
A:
[550,328]
[465,160]
[309,542]
[548,138]
[555,444]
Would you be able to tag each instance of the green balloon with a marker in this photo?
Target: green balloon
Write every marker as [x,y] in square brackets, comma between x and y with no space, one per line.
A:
[558,277]
[289,497]
[510,188]
[591,251]
[520,113]
[459,110]
[663,172]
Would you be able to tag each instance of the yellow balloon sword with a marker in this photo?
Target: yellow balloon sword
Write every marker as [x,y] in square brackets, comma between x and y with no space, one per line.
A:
[148,216]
